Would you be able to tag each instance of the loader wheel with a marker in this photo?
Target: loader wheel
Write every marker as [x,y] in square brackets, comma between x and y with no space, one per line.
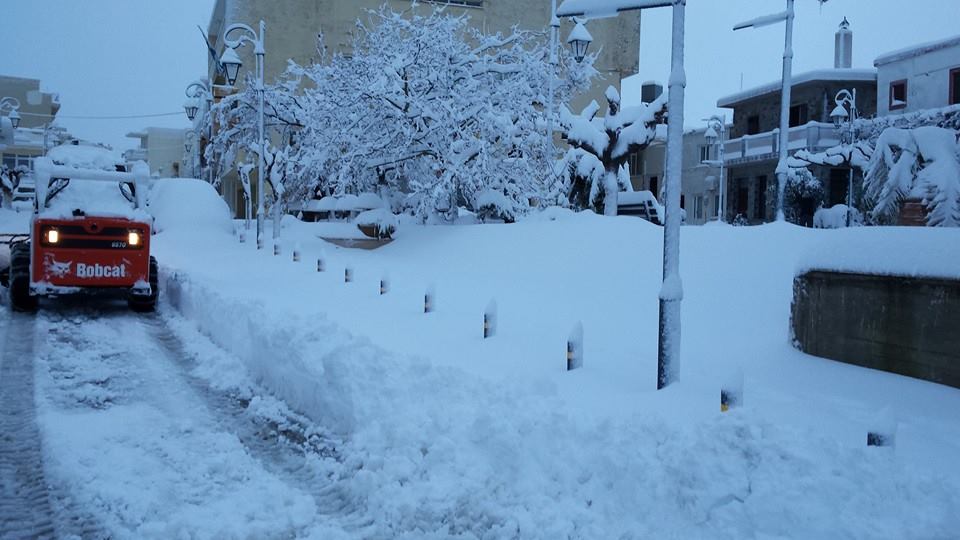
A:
[20,298]
[147,304]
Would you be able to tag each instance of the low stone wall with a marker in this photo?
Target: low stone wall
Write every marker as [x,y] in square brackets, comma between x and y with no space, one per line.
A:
[904,325]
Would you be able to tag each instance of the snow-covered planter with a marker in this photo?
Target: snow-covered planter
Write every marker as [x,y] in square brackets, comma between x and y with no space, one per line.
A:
[492,205]
[378,223]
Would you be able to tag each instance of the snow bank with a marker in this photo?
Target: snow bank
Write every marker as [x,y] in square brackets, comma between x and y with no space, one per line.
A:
[900,251]
[187,204]
[448,434]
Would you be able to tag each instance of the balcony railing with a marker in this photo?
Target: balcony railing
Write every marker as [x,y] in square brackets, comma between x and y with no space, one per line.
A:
[812,136]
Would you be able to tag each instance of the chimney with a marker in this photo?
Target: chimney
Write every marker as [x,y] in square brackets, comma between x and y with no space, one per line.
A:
[843,46]
[650,91]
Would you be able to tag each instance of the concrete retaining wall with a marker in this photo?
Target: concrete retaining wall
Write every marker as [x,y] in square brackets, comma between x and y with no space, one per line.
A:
[909,326]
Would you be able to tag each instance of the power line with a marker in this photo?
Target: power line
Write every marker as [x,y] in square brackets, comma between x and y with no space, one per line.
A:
[123,117]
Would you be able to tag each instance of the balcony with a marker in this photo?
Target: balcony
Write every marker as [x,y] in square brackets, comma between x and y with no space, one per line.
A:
[812,136]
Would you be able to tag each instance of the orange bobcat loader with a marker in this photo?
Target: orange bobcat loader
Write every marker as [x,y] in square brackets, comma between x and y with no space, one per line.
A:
[88,233]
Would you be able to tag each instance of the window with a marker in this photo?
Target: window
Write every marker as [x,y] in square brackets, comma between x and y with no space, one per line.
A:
[683,201]
[954,86]
[635,163]
[698,207]
[753,125]
[799,115]
[653,186]
[704,152]
[898,94]
[13,161]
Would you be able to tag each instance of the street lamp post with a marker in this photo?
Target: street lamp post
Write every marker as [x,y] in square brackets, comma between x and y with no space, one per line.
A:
[199,92]
[554,33]
[671,292]
[231,61]
[14,105]
[844,123]
[786,16]
[716,127]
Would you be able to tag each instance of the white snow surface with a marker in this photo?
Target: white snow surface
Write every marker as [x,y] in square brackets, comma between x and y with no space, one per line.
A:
[898,251]
[450,435]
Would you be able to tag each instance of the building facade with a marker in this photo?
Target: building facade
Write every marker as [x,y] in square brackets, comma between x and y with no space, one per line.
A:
[294,26]
[35,134]
[700,185]
[162,149]
[751,153]
[926,76]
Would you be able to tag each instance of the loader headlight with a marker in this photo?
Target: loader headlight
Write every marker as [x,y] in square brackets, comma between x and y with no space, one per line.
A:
[133,239]
[53,236]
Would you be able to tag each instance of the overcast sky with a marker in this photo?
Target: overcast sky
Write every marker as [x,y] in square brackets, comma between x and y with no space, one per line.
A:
[135,57]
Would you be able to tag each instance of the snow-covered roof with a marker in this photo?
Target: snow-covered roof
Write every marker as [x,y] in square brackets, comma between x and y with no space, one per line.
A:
[838,74]
[916,50]
[597,9]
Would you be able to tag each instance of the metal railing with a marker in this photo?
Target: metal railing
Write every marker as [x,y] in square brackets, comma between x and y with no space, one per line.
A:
[810,136]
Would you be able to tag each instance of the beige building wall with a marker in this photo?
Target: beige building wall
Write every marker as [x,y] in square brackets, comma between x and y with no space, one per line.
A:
[162,149]
[292,28]
[36,110]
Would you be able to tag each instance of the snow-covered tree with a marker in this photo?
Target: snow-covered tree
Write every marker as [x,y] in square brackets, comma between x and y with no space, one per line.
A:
[923,163]
[453,112]
[239,135]
[600,147]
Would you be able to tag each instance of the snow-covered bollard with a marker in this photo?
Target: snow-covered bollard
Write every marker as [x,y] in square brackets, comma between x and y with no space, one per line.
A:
[731,392]
[429,302]
[259,242]
[384,285]
[243,236]
[347,274]
[276,248]
[490,320]
[320,265]
[296,253]
[575,348]
[883,429]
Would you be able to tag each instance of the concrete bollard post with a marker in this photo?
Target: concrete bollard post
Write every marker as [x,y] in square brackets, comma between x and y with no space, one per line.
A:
[575,348]
[296,253]
[347,274]
[731,391]
[276,248]
[320,265]
[243,237]
[490,320]
[883,429]
[429,303]
[384,285]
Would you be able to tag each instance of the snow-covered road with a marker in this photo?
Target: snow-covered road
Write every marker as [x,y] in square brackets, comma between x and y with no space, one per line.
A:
[108,431]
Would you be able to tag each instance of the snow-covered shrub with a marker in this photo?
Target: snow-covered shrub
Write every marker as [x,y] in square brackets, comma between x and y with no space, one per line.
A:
[921,163]
[801,185]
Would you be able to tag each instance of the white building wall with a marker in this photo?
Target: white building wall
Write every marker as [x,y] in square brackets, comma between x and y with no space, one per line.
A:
[927,76]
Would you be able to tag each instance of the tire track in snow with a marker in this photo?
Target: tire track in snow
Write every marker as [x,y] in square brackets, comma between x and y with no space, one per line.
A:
[25,510]
[286,443]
